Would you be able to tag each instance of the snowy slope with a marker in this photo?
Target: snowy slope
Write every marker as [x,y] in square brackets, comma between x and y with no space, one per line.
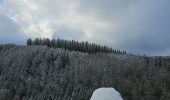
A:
[106,94]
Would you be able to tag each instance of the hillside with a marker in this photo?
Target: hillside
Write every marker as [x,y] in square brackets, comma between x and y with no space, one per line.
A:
[42,73]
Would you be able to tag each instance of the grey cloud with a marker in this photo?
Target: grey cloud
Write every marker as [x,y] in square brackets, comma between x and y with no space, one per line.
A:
[149,27]
[69,32]
[105,9]
[142,26]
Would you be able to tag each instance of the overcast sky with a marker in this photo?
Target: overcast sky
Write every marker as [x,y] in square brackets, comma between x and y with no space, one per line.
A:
[138,26]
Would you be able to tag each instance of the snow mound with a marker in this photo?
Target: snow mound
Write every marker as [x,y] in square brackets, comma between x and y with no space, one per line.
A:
[106,94]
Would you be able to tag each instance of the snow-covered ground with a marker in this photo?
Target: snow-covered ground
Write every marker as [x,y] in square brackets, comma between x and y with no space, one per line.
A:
[106,94]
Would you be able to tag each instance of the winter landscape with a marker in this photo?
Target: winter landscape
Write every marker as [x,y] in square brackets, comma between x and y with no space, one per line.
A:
[40,71]
[84,50]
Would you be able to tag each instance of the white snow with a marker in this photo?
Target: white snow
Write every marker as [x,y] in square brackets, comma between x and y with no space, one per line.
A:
[106,94]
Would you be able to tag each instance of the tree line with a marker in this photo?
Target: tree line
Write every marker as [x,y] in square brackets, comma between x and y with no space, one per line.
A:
[73,45]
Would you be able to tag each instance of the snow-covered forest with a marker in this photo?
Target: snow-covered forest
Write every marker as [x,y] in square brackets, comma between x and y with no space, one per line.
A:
[38,72]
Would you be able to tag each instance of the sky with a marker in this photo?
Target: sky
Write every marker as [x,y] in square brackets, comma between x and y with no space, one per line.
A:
[137,26]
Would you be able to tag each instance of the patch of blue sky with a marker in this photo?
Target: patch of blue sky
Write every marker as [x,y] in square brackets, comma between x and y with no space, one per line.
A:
[1,1]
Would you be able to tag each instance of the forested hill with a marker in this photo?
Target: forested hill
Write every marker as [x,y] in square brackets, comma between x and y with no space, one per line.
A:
[39,72]
[73,45]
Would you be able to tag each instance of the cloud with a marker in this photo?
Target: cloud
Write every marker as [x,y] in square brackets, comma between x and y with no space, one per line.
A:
[148,29]
[139,26]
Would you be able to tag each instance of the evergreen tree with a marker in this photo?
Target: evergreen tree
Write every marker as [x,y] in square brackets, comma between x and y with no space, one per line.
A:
[74,45]
[29,42]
